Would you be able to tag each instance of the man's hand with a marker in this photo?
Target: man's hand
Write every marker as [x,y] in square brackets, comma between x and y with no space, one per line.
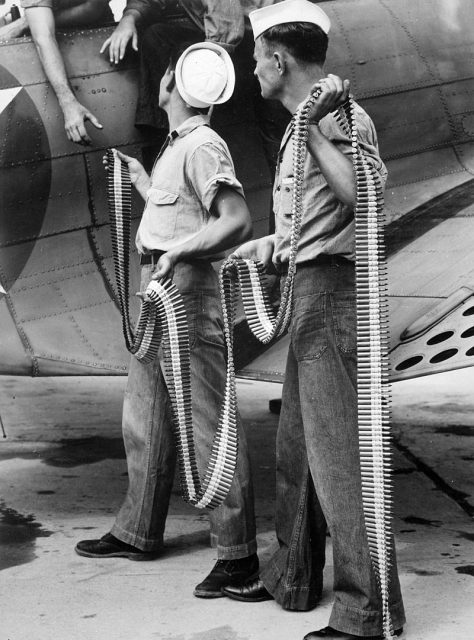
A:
[135,168]
[125,31]
[75,116]
[334,92]
[11,30]
[164,267]
[260,249]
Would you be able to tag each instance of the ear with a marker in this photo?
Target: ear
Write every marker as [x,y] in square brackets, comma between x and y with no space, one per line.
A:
[280,62]
[171,81]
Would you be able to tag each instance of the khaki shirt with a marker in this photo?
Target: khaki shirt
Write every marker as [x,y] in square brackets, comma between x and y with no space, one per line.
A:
[184,182]
[327,224]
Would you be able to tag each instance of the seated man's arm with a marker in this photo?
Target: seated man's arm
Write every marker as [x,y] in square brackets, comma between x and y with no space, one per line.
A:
[42,27]
[136,12]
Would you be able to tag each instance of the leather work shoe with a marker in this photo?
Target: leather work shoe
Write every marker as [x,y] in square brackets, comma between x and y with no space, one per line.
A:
[227,572]
[111,547]
[250,591]
[332,634]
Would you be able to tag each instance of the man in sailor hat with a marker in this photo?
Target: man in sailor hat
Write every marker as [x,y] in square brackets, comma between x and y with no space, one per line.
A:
[318,471]
[195,210]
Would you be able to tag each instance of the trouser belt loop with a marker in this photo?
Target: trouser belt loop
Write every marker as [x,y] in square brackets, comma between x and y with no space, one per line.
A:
[150,258]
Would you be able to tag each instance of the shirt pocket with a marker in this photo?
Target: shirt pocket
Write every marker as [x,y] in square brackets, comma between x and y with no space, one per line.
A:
[163,204]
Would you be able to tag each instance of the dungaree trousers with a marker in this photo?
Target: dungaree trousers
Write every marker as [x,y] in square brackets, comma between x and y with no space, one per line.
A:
[148,428]
[318,480]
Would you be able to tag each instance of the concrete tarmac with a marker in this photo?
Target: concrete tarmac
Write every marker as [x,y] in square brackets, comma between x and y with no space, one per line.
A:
[63,476]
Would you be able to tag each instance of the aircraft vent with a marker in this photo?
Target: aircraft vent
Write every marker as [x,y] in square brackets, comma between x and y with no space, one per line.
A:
[447,344]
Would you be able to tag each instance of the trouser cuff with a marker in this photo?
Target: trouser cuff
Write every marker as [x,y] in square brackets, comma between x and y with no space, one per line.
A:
[292,598]
[359,622]
[234,552]
[144,544]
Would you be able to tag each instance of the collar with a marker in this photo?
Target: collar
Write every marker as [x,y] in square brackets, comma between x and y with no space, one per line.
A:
[189,125]
[288,133]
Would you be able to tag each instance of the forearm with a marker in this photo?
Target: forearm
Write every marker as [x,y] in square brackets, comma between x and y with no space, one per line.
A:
[142,184]
[215,238]
[54,69]
[336,167]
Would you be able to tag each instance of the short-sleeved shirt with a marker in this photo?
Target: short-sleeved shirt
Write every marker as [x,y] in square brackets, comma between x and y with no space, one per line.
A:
[327,223]
[184,182]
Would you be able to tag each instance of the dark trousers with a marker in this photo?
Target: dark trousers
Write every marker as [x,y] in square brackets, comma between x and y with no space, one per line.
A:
[318,469]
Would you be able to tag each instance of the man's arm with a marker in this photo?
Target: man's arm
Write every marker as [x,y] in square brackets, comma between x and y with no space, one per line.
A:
[138,176]
[15,29]
[231,225]
[260,249]
[42,27]
[136,12]
[334,165]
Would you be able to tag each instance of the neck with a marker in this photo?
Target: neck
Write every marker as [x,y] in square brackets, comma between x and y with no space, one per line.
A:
[178,111]
[298,85]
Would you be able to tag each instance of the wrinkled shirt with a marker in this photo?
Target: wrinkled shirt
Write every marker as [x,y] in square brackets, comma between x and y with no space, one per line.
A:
[184,182]
[327,223]
[222,21]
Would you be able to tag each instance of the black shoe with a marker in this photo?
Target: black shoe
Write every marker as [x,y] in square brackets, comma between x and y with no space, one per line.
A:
[111,547]
[227,572]
[332,634]
[250,591]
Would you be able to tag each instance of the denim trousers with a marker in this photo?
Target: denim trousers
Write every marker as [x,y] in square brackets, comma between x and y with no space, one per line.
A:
[318,470]
[148,428]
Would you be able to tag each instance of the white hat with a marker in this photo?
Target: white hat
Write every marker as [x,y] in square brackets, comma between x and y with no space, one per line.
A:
[288,11]
[205,75]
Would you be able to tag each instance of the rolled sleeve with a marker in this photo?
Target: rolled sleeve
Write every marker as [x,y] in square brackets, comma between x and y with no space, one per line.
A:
[367,140]
[209,168]
[144,8]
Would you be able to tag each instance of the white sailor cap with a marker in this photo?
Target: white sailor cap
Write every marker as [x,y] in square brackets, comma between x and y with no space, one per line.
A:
[288,11]
[205,75]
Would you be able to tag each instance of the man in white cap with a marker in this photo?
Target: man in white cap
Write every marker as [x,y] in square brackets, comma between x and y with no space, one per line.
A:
[318,470]
[195,209]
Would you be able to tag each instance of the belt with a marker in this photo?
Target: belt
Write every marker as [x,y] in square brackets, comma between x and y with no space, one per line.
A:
[323,259]
[151,258]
